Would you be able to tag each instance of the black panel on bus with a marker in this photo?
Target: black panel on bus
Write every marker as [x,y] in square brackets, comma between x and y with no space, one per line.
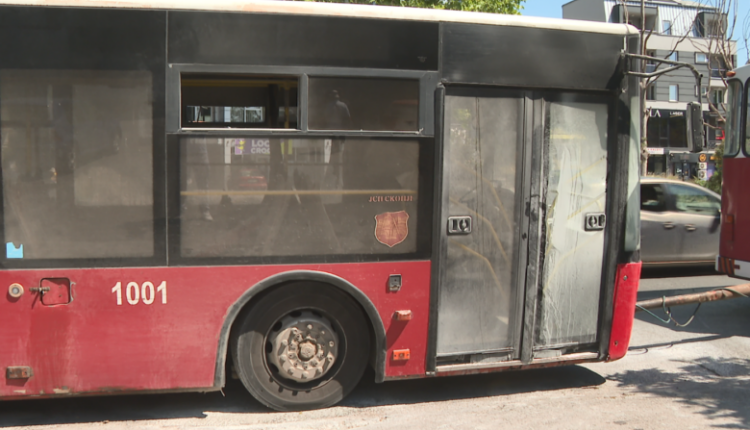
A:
[529,57]
[56,38]
[221,38]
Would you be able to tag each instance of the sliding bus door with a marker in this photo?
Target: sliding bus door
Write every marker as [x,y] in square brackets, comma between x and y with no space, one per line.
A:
[479,308]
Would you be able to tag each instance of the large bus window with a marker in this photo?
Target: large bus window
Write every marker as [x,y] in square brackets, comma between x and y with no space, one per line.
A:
[236,101]
[279,197]
[364,104]
[734,119]
[77,163]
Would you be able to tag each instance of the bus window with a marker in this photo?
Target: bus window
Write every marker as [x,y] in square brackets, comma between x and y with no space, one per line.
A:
[231,101]
[77,163]
[244,197]
[734,120]
[364,104]
[747,121]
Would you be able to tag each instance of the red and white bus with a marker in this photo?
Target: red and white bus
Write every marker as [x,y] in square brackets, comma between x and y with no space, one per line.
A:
[734,250]
[296,191]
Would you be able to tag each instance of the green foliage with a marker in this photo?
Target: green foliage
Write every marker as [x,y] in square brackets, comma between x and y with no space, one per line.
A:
[714,182]
[511,7]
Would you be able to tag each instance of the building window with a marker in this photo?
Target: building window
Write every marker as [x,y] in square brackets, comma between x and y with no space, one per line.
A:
[376,104]
[666,27]
[673,56]
[650,64]
[674,93]
[716,97]
[651,92]
[701,58]
[666,129]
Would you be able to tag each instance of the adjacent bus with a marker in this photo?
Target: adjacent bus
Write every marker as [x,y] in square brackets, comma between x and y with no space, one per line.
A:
[734,250]
[295,191]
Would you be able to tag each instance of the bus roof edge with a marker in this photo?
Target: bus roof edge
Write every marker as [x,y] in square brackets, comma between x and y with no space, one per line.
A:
[341,10]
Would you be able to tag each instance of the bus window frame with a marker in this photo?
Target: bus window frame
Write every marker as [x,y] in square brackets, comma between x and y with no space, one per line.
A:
[741,146]
[428,81]
[425,204]
[79,61]
[425,135]
[745,142]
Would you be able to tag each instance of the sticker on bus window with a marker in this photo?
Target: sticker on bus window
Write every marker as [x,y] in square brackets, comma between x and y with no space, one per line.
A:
[391,228]
[12,252]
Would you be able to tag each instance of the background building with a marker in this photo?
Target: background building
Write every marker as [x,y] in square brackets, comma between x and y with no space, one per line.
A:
[677,30]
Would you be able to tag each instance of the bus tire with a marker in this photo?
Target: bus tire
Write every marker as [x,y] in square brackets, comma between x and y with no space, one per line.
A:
[301,346]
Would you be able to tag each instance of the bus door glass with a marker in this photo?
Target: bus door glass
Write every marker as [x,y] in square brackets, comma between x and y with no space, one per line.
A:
[478,311]
[572,242]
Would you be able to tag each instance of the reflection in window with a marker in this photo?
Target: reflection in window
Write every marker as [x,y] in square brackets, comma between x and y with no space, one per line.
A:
[274,197]
[77,163]
[237,101]
[692,200]
[364,104]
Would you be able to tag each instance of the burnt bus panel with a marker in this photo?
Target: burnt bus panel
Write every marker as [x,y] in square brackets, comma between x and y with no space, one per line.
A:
[529,57]
[256,39]
[82,121]
[61,38]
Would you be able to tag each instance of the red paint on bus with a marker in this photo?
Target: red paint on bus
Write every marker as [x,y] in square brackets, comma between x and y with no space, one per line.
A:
[93,345]
[626,295]
[735,209]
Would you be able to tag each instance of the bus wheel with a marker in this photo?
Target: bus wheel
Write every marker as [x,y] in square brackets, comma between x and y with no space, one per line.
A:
[302,346]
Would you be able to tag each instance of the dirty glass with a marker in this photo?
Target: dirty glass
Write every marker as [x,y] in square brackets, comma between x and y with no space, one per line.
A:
[573,257]
[237,101]
[268,196]
[476,294]
[77,163]
[371,104]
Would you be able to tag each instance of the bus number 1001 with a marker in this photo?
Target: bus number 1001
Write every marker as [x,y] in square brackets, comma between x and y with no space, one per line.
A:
[145,292]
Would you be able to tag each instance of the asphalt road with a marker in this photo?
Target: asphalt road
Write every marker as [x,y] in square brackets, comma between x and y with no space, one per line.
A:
[696,377]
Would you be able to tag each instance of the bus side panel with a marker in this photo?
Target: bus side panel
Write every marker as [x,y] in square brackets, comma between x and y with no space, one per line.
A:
[735,203]
[159,328]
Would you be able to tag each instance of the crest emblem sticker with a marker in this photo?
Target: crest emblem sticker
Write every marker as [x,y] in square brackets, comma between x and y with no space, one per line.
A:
[391,228]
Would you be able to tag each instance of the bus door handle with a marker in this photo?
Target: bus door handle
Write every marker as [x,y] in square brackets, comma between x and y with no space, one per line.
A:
[669,225]
[690,227]
[459,225]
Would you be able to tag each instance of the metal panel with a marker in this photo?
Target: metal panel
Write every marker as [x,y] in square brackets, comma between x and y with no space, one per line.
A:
[513,56]
[572,269]
[255,39]
[478,309]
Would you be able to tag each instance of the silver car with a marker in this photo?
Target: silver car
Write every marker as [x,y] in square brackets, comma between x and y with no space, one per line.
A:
[679,223]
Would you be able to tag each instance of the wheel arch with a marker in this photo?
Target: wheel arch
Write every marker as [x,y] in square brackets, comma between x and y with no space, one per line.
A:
[373,317]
